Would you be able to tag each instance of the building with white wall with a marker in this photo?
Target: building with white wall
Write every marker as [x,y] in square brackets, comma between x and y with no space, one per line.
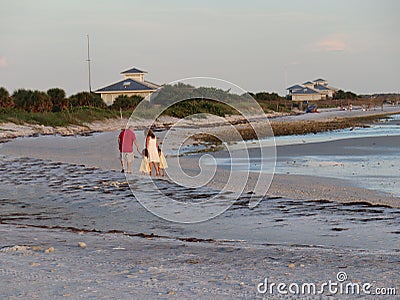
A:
[132,84]
[311,91]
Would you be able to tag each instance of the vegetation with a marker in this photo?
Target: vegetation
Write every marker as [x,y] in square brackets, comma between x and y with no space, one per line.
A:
[76,116]
[342,95]
[32,101]
[58,99]
[83,99]
[197,106]
[247,132]
[5,100]
[126,103]
[53,108]
[272,102]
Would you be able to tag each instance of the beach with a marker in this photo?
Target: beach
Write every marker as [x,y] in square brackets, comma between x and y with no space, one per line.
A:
[124,267]
[317,220]
[199,150]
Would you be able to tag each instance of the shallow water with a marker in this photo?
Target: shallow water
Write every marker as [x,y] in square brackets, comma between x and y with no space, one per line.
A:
[347,154]
[386,127]
[42,193]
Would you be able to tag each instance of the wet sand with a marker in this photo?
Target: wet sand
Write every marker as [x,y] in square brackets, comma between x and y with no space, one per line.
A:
[105,156]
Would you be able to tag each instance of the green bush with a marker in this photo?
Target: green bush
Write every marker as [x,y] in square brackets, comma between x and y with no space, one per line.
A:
[196,106]
[340,94]
[86,99]
[126,103]
[32,101]
[58,99]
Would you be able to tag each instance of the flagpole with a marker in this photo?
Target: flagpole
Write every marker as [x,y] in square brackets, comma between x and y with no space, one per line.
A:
[88,60]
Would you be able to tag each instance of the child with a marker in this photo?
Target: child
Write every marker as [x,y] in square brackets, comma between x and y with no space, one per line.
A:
[163,162]
[144,166]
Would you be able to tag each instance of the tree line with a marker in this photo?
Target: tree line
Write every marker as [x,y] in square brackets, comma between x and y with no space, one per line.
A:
[54,100]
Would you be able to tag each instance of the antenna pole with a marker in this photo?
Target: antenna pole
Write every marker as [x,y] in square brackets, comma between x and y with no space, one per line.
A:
[88,60]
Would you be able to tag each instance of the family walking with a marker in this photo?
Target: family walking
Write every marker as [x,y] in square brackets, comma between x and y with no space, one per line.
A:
[152,156]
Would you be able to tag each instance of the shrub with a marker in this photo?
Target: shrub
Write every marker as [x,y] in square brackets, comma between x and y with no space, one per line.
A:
[86,99]
[196,106]
[126,103]
[32,101]
[58,99]
[5,100]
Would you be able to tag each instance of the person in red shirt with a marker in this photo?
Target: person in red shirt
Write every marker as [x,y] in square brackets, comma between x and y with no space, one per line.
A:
[126,139]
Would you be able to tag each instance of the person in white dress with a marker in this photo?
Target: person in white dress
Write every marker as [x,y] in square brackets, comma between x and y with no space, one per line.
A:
[152,148]
[144,166]
[163,162]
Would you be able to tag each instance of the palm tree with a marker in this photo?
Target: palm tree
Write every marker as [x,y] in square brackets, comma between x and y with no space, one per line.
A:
[58,99]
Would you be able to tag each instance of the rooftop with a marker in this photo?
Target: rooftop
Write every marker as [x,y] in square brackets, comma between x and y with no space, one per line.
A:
[295,87]
[127,85]
[133,71]
[321,87]
[304,91]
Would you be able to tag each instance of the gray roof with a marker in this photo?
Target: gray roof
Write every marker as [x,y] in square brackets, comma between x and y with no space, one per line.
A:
[321,87]
[127,85]
[295,87]
[308,82]
[320,80]
[304,91]
[133,71]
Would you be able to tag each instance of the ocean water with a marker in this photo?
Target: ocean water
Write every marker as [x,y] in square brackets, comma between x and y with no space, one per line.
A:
[385,127]
[374,166]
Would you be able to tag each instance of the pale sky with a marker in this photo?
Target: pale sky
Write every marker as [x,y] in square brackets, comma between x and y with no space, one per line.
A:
[257,45]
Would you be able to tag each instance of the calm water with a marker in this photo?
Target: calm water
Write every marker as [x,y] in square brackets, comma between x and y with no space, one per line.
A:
[374,166]
[386,127]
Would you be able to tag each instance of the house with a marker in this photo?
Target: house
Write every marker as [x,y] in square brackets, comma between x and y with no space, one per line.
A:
[311,91]
[132,84]
[305,94]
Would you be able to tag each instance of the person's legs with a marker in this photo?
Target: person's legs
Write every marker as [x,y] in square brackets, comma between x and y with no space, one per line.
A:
[121,157]
[151,168]
[129,160]
[128,167]
[157,169]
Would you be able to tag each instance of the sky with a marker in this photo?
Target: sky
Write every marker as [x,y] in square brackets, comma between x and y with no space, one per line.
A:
[258,45]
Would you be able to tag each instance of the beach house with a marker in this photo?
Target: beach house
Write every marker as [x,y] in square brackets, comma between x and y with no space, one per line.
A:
[132,84]
[311,91]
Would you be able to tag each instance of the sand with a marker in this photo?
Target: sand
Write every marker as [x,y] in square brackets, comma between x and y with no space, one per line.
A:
[114,265]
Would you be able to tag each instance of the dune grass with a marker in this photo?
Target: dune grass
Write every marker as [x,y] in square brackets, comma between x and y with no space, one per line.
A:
[78,116]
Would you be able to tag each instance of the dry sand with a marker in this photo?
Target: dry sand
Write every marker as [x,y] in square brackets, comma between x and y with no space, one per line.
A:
[116,266]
